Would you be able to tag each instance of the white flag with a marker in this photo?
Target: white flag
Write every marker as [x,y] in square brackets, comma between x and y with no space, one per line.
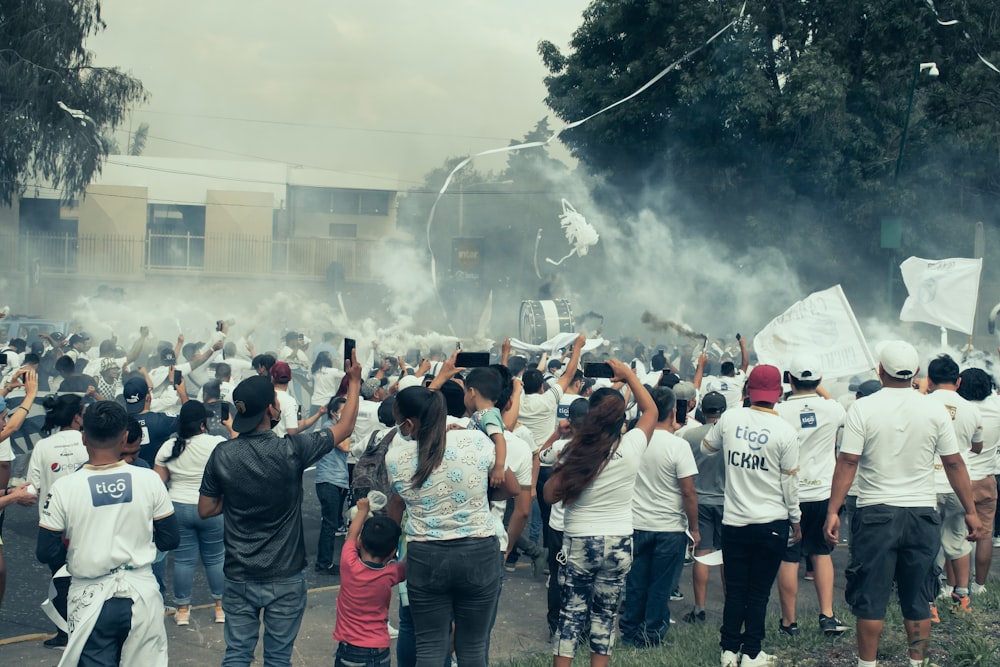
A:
[822,325]
[942,292]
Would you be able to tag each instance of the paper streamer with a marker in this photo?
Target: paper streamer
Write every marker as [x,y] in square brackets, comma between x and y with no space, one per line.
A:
[954,22]
[580,233]
[539,144]
[710,559]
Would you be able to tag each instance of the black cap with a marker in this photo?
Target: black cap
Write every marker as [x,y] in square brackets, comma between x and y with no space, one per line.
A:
[251,398]
[78,338]
[713,401]
[135,391]
[167,357]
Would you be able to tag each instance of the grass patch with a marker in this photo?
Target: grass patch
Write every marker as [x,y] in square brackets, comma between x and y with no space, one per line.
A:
[967,640]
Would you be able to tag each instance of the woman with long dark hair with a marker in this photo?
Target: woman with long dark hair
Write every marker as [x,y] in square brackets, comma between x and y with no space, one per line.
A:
[332,489]
[181,463]
[594,478]
[453,554]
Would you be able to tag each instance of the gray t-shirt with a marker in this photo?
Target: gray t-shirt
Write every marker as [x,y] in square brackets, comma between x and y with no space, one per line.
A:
[711,480]
[259,477]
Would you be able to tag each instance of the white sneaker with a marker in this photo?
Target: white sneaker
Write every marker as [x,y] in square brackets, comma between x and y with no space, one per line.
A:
[761,660]
[730,659]
[977,589]
[996,541]
[393,632]
[945,591]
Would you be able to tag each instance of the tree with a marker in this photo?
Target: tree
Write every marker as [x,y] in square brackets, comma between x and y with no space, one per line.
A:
[788,127]
[55,106]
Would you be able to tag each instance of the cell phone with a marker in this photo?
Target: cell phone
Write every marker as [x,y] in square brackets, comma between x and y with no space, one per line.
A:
[472,359]
[218,325]
[413,357]
[178,378]
[349,345]
[598,369]
[3,359]
[225,412]
[298,413]
[682,410]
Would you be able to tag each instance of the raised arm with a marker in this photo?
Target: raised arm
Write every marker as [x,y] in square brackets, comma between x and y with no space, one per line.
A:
[343,429]
[647,408]
[744,356]
[574,362]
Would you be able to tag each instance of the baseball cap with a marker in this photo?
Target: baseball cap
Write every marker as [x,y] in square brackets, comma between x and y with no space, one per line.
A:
[57,336]
[369,387]
[167,357]
[408,381]
[251,398]
[805,367]
[684,391]
[899,359]
[713,401]
[135,391]
[78,338]
[855,383]
[764,384]
[868,387]
[281,372]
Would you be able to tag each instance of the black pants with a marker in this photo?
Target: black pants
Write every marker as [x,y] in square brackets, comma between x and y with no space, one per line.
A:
[544,472]
[554,594]
[752,555]
[104,646]
[62,589]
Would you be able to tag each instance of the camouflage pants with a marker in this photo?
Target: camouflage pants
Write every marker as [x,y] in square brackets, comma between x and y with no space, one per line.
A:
[591,578]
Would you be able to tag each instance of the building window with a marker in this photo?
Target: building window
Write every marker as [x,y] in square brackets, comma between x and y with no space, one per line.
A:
[338,231]
[342,201]
[175,236]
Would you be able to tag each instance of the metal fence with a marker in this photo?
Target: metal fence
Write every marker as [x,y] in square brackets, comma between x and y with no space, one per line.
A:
[99,255]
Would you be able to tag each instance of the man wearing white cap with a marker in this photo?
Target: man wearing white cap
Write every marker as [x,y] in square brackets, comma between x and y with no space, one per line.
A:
[891,441]
[818,422]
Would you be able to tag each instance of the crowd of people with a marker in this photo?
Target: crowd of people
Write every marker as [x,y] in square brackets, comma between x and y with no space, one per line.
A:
[432,473]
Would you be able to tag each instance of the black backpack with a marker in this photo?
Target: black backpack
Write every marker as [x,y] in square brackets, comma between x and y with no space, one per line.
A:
[370,473]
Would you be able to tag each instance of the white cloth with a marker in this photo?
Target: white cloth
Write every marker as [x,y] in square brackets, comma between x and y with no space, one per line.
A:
[968,425]
[899,435]
[605,507]
[657,504]
[556,342]
[53,457]
[366,424]
[730,387]
[762,459]
[941,292]
[519,463]
[187,469]
[289,413]
[557,514]
[538,413]
[326,382]
[981,465]
[818,423]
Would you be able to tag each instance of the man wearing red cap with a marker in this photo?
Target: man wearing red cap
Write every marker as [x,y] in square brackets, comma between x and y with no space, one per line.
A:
[761,512]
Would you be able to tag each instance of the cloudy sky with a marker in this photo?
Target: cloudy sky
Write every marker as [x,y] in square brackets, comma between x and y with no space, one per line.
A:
[389,87]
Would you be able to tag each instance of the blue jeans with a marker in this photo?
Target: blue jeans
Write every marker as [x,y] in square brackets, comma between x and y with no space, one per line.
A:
[657,558]
[331,504]
[406,643]
[283,603]
[104,646]
[198,536]
[354,656]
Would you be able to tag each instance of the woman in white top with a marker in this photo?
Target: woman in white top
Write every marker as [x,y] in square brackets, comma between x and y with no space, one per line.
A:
[453,554]
[326,381]
[180,462]
[594,478]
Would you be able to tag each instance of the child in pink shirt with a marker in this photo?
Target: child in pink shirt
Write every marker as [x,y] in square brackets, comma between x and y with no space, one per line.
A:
[366,580]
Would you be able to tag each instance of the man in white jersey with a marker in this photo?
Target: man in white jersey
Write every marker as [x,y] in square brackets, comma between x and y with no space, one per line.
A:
[664,496]
[761,511]
[942,383]
[729,382]
[818,422]
[891,441]
[977,386]
[115,606]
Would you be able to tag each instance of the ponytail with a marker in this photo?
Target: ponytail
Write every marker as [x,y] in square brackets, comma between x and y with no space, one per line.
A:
[60,412]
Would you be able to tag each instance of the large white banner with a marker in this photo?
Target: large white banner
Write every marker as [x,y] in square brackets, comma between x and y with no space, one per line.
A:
[823,325]
[942,292]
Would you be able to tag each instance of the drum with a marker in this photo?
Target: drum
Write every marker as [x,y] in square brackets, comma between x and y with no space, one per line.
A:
[542,320]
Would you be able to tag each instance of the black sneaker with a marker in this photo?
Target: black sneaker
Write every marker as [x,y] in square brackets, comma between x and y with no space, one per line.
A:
[792,629]
[831,626]
[692,617]
[59,641]
[333,570]
[676,595]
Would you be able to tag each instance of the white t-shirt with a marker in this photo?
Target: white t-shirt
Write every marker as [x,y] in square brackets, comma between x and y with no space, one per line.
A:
[562,410]
[656,502]
[968,425]
[730,387]
[451,503]
[187,469]
[519,463]
[326,382]
[289,413]
[899,434]
[94,365]
[557,515]
[762,457]
[818,423]
[53,457]
[982,465]
[605,507]
[538,413]
[366,424]
[107,515]
[6,453]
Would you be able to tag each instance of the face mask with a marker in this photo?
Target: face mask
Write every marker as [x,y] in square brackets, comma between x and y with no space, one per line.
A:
[403,436]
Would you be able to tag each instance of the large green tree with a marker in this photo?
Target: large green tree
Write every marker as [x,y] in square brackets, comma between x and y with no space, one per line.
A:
[787,129]
[56,107]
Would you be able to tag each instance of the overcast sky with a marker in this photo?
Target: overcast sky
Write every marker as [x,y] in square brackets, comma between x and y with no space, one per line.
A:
[387,87]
